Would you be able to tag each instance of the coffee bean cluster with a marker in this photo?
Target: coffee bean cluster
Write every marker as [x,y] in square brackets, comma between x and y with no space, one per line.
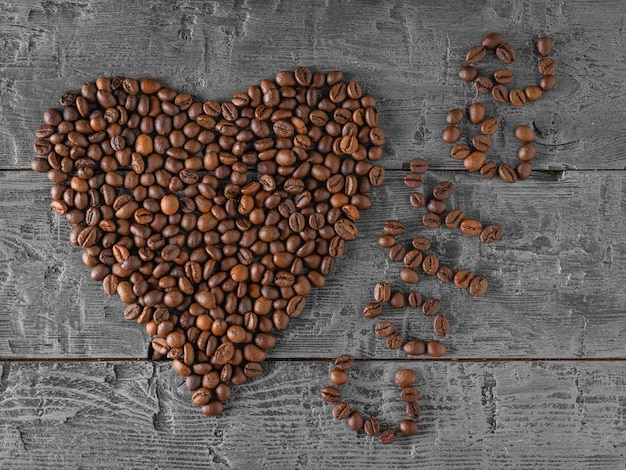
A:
[507,55]
[474,155]
[405,380]
[212,221]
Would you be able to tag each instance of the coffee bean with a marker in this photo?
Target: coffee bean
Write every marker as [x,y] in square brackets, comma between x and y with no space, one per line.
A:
[443,190]
[517,97]
[481,142]
[408,427]
[483,84]
[405,378]
[346,229]
[463,278]
[460,151]
[488,170]
[476,112]
[341,410]
[507,173]
[492,40]
[412,180]
[418,165]
[436,206]
[506,53]
[467,73]
[533,93]
[523,170]
[412,258]
[430,265]
[409,394]
[478,286]
[331,394]
[475,54]
[454,116]
[544,46]
[451,134]
[441,325]
[524,134]
[503,76]
[489,126]
[500,93]
[526,152]
[431,306]
[453,218]
[414,299]
[491,233]
[393,227]
[344,362]
[371,427]
[417,200]
[431,220]
[355,421]
[397,252]
[394,341]
[414,347]
[471,227]
[474,161]
[382,292]
[387,436]
[372,310]
[444,274]
[547,66]
[410,276]
[386,241]
[397,299]
[413,410]
[384,329]
[547,82]
[435,349]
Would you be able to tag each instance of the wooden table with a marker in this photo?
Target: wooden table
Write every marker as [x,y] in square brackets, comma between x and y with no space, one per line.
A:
[535,373]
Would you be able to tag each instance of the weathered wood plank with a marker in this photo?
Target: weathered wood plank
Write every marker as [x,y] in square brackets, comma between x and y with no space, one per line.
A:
[407,55]
[555,278]
[509,415]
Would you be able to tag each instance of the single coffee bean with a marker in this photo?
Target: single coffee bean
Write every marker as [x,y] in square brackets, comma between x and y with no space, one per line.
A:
[474,161]
[431,307]
[436,206]
[506,53]
[463,278]
[417,200]
[453,218]
[467,73]
[481,142]
[517,97]
[412,258]
[384,329]
[476,112]
[431,220]
[533,93]
[443,190]
[488,170]
[382,292]
[483,84]
[460,151]
[489,126]
[444,274]
[503,76]
[547,66]
[544,46]
[408,427]
[387,436]
[451,134]
[341,410]
[397,299]
[331,394]
[415,299]
[523,170]
[410,276]
[405,378]
[394,341]
[409,394]
[441,325]
[454,116]
[418,165]
[372,310]
[344,362]
[507,173]
[524,134]
[371,427]
[346,229]
[491,233]
[547,82]
[478,286]
[492,40]
[397,252]
[500,94]
[526,152]
[386,241]
[393,227]
[412,180]
[355,421]
[471,227]
[414,347]
[475,54]
[435,349]
[413,410]
[430,265]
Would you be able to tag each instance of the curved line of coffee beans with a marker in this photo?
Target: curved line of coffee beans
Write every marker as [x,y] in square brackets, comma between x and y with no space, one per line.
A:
[474,156]
[405,380]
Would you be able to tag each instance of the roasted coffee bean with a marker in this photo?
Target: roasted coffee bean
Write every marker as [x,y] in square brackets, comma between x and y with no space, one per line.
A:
[412,258]
[414,299]
[444,274]
[397,299]
[413,410]
[331,394]
[544,46]
[431,220]
[417,200]
[341,410]
[503,76]
[435,349]
[492,40]
[344,362]
[506,53]
[384,329]
[471,227]
[517,97]
[507,173]
[488,170]
[431,306]
[451,134]
[397,252]
[410,276]
[387,436]
[467,73]
[483,84]
[430,264]
[547,82]
[476,112]
[382,292]
[408,427]
[523,170]
[533,93]
[524,134]
[436,206]
[481,142]
[478,286]
[453,218]
[500,93]
[443,190]
[405,378]
[460,151]
[394,341]
[474,161]
[386,241]
[463,278]
[475,54]
[491,233]
[454,116]
[409,394]
[421,243]
[355,421]
[371,427]
[393,227]
[547,66]
[418,165]
[414,347]
[412,180]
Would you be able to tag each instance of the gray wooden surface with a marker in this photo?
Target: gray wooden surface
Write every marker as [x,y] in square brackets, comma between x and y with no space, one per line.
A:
[535,375]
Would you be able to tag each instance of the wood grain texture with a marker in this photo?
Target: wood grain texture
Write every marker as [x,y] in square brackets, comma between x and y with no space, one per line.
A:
[405,54]
[555,278]
[475,416]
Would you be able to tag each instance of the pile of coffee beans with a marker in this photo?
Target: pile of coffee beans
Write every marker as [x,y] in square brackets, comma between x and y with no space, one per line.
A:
[474,154]
[212,221]
[405,380]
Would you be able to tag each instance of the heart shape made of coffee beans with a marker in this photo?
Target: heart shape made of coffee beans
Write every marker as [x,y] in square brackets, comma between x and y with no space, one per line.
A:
[212,221]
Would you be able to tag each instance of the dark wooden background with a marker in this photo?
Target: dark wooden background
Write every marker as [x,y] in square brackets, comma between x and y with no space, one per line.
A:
[535,376]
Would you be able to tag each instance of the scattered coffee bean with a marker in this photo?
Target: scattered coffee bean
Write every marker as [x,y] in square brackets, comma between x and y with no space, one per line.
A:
[524,134]
[475,54]
[506,53]
[431,306]
[523,170]
[441,325]
[491,233]
[503,76]
[412,180]
[471,227]
[507,173]
[341,410]
[414,347]
[419,165]
[476,112]
[405,378]
[455,116]
[483,84]
[517,97]
[417,200]
[489,126]
[443,190]
[331,394]
[371,426]
[408,427]
[492,40]
[435,349]
[478,286]
[384,329]
[500,93]
[451,134]
[544,46]
[468,73]
[387,436]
